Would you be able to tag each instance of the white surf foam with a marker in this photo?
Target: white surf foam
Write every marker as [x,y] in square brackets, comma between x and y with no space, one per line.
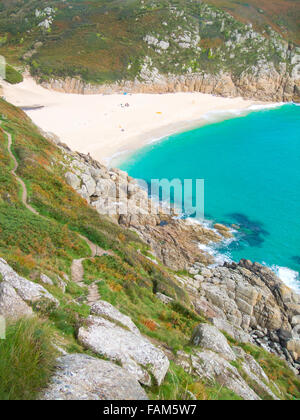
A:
[219,258]
[290,277]
[115,159]
[223,114]
[266,106]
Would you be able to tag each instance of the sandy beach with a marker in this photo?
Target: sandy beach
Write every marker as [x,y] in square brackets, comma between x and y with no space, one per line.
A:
[108,125]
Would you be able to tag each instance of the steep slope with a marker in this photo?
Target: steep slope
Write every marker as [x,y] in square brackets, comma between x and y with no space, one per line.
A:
[157,314]
[282,16]
[156,45]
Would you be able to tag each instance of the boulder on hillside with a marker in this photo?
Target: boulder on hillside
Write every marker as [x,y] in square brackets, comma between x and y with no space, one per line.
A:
[26,294]
[293,347]
[46,280]
[211,366]
[235,332]
[73,180]
[11,305]
[106,310]
[116,341]
[82,377]
[210,338]
[164,298]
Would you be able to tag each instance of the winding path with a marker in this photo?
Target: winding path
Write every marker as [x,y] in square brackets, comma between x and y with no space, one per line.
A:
[13,171]
[77,271]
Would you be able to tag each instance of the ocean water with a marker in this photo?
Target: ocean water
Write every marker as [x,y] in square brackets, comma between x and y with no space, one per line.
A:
[251,168]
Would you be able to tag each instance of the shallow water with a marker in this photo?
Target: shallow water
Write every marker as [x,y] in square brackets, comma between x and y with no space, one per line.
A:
[251,168]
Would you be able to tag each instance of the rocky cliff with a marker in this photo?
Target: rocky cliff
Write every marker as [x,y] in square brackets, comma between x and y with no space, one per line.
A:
[264,84]
[173,241]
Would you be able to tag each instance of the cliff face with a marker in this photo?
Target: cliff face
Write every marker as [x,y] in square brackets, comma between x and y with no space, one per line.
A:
[174,242]
[264,85]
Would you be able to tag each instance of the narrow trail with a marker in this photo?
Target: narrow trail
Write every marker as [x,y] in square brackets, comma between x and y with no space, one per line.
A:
[13,171]
[77,271]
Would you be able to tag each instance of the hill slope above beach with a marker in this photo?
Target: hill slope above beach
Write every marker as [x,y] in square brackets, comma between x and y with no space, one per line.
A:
[153,43]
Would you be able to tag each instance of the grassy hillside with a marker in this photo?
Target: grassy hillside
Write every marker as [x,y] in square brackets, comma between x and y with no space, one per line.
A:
[282,15]
[48,243]
[105,41]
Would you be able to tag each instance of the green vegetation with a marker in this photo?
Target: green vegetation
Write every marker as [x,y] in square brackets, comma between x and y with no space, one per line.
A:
[130,289]
[104,41]
[12,75]
[283,16]
[179,385]
[27,358]
[276,369]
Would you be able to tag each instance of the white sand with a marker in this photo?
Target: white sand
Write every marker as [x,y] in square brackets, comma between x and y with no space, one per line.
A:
[99,125]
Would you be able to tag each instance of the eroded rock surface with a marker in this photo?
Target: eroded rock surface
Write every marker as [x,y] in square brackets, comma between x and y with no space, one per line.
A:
[209,337]
[114,336]
[251,304]
[106,310]
[263,83]
[18,295]
[81,377]
[209,365]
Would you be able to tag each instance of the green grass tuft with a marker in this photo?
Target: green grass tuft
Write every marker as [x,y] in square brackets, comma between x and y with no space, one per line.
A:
[27,359]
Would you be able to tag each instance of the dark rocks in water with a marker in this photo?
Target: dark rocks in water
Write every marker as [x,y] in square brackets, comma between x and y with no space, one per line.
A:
[296,258]
[252,232]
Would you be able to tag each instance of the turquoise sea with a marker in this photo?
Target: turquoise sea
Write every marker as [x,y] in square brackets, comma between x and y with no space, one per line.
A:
[251,168]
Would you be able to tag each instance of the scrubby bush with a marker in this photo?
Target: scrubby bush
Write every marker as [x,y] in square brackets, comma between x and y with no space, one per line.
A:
[12,75]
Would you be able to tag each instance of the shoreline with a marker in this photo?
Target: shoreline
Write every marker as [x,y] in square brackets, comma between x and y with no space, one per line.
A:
[162,133]
[106,126]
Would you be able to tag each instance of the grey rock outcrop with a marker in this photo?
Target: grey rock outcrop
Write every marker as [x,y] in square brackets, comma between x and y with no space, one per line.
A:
[81,377]
[265,84]
[250,303]
[164,299]
[18,295]
[106,310]
[113,193]
[209,337]
[236,332]
[114,336]
[11,305]
[209,365]
[233,368]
